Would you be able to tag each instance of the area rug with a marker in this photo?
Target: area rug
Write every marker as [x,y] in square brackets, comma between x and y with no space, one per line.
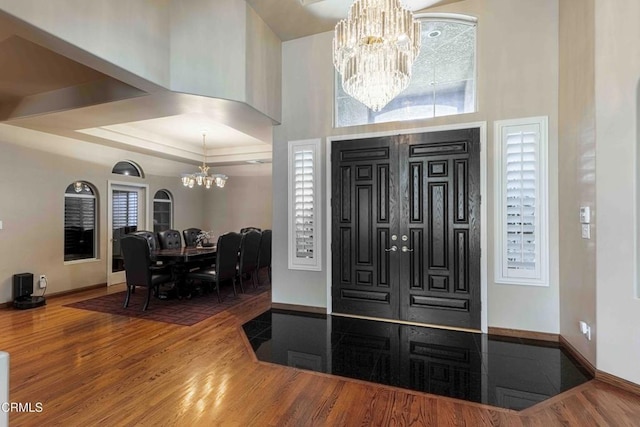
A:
[185,312]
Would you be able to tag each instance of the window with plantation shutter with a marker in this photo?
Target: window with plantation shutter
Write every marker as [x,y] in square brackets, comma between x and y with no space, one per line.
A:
[304,211]
[80,222]
[303,203]
[521,202]
[125,209]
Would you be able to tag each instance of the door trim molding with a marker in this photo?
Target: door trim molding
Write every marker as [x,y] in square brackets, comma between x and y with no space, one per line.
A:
[482,127]
[148,217]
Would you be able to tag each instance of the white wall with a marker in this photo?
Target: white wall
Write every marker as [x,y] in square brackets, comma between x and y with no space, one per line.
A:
[132,34]
[517,77]
[245,201]
[223,49]
[220,49]
[32,186]
[576,152]
[264,67]
[617,140]
[205,60]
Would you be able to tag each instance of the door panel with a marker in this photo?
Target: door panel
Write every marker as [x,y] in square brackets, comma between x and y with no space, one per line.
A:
[365,210]
[440,277]
[423,189]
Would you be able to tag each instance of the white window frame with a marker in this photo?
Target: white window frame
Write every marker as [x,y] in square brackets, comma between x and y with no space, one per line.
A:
[540,275]
[295,262]
[169,201]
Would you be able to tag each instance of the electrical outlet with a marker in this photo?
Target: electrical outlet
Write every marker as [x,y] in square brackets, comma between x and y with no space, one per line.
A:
[43,281]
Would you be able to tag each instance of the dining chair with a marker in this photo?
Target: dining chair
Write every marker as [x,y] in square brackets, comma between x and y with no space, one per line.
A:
[226,260]
[191,236]
[248,262]
[137,267]
[264,255]
[191,240]
[152,241]
[244,230]
[170,239]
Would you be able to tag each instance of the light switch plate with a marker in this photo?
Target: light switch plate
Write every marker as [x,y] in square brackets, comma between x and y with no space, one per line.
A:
[586,231]
[0,225]
[585,215]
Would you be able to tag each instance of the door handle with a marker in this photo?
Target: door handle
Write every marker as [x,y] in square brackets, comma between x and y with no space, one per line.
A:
[406,249]
[392,249]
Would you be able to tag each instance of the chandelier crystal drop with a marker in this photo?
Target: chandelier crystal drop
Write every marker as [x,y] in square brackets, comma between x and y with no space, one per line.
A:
[203,177]
[374,49]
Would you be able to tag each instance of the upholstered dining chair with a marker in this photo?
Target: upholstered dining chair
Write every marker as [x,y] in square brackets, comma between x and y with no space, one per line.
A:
[152,241]
[248,263]
[170,239]
[226,260]
[191,236]
[137,267]
[264,255]
[191,240]
[245,229]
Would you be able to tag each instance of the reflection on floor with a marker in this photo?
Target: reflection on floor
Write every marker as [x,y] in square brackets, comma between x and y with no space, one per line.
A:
[507,372]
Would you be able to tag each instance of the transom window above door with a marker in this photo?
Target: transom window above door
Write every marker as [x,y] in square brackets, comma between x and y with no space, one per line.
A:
[128,168]
[443,82]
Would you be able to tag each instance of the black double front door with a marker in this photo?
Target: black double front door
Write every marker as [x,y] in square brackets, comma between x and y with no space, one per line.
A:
[406,227]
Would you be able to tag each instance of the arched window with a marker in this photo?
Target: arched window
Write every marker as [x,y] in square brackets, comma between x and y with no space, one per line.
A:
[129,168]
[162,211]
[443,81]
[80,222]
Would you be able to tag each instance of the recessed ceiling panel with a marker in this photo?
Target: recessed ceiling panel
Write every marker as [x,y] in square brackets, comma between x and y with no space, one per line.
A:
[183,131]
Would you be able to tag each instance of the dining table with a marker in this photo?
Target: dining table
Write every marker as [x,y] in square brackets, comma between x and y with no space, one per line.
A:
[184,254]
[183,259]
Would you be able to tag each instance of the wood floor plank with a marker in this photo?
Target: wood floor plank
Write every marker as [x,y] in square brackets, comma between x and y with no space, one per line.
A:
[98,369]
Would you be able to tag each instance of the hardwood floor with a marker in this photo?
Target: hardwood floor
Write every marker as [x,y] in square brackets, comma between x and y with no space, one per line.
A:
[98,369]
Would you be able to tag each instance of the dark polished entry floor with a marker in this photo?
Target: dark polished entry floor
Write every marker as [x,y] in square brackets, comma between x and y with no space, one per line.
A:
[506,372]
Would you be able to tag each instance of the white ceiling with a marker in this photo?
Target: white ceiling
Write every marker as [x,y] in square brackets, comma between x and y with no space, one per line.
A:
[291,19]
[42,90]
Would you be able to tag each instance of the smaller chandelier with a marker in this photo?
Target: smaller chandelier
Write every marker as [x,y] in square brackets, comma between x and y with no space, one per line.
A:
[374,49]
[203,177]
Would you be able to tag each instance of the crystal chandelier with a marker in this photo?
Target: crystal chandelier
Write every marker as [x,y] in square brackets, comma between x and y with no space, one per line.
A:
[203,177]
[374,49]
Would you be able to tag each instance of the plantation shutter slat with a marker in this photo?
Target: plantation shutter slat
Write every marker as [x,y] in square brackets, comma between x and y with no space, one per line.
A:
[303,177]
[79,212]
[79,223]
[522,250]
[125,209]
[304,213]
[521,200]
